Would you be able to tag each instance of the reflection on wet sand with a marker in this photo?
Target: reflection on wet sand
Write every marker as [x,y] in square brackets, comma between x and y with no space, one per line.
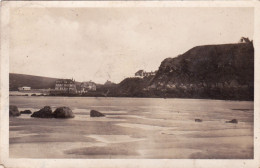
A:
[154,128]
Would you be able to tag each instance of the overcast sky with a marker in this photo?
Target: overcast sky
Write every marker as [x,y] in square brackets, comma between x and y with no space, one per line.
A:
[102,44]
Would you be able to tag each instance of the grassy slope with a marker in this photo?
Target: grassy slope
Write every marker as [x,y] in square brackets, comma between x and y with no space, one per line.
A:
[35,82]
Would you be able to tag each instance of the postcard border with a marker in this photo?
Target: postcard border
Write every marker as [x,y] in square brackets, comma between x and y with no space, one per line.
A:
[4,117]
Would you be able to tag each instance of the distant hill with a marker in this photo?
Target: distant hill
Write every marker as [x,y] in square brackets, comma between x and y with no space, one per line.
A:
[35,82]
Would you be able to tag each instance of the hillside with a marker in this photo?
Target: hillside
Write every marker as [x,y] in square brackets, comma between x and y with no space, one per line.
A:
[223,71]
[35,82]
[134,87]
[211,71]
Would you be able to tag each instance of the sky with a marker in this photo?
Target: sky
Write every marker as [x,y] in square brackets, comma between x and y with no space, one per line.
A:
[101,44]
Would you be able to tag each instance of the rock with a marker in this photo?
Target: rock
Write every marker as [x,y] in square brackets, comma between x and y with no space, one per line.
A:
[198,120]
[94,113]
[13,111]
[45,112]
[63,112]
[232,121]
[26,112]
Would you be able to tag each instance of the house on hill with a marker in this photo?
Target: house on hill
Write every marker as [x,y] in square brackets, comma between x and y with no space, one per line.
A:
[139,73]
[142,73]
[65,85]
[87,86]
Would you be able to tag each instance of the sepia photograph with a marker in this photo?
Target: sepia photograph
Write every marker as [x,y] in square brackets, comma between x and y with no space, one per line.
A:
[131,82]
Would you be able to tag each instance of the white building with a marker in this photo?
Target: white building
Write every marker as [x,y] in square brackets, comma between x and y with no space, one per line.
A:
[24,88]
[142,73]
[66,85]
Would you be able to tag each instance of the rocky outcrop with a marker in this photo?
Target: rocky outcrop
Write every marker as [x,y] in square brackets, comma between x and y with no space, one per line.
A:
[13,111]
[45,112]
[94,113]
[63,112]
[26,112]
[232,121]
[198,120]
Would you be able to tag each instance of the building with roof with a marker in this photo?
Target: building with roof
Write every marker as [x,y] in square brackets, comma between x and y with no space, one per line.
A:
[66,86]
[24,88]
[142,73]
[87,86]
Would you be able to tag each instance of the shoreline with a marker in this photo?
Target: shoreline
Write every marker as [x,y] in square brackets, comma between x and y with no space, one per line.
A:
[188,98]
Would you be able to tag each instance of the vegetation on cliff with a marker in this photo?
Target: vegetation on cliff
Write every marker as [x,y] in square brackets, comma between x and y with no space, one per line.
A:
[213,71]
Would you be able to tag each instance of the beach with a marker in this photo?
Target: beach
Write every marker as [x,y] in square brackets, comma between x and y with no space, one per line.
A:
[152,128]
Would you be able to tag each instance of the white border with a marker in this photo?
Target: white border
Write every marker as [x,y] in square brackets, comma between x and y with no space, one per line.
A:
[200,163]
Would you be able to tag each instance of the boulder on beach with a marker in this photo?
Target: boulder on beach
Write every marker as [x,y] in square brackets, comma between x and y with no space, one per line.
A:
[13,111]
[232,121]
[45,112]
[63,112]
[94,113]
[26,112]
[198,120]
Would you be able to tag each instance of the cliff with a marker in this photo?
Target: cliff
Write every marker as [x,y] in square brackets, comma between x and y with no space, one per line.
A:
[213,71]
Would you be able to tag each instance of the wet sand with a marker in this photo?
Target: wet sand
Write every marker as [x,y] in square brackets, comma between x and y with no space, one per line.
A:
[163,129]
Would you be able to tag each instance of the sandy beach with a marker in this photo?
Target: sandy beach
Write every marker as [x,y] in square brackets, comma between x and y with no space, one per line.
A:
[137,128]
